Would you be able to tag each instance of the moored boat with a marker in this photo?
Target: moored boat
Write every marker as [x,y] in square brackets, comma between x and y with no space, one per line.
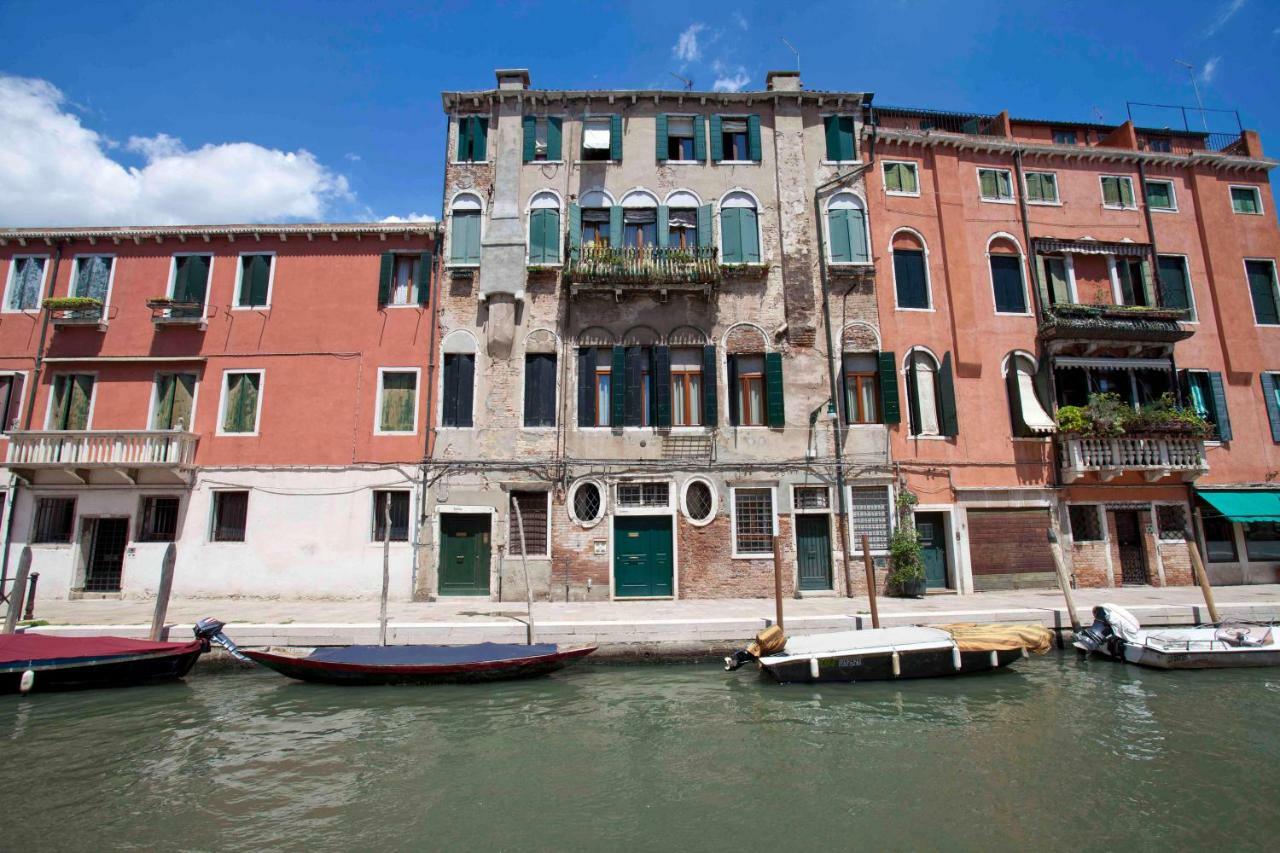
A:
[1116,633]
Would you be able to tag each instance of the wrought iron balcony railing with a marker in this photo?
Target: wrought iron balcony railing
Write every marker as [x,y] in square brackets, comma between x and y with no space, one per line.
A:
[643,265]
[1155,457]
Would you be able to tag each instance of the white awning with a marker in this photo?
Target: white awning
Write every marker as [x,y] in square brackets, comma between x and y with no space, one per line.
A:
[1115,363]
[596,138]
[1033,414]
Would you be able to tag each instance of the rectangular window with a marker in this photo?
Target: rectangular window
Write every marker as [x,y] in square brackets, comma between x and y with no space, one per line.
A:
[1171,521]
[1133,278]
[811,497]
[750,390]
[869,514]
[595,226]
[533,517]
[11,386]
[1159,144]
[680,139]
[1085,525]
[733,138]
[604,386]
[1006,279]
[839,137]
[1262,288]
[159,520]
[1219,537]
[190,284]
[597,141]
[241,391]
[910,283]
[753,521]
[92,277]
[1262,541]
[1160,195]
[464,239]
[995,184]
[544,236]
[1042,188]
[26,283]
[542,139]
[458,390]
[901,178]
[399,506]
[1204,398]
[175,395]
[406,271]
[54,520]
[71,402]
[397,401]
[640,227]
[1175,284]
[253,290]
[739,235]
[1064,137]
[643,495]
[1246,200]
[540,389]
[230,512]
[1058,280]
[861,389]
[686,387]
[682,228]
[472,138]
[1117,191]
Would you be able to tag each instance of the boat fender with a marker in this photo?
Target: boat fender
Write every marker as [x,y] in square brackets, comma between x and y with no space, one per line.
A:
[813,668]
[27,682]
[995,659]
[955,657]
[897,665]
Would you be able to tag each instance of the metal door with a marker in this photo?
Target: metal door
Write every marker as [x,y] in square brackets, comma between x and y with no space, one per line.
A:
[105,565]
[464,554]
[813,550]
[1133,558]
[933,545]
[642,556]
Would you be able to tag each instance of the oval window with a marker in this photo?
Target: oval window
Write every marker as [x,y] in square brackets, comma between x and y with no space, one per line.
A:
[698,501]
[587,502]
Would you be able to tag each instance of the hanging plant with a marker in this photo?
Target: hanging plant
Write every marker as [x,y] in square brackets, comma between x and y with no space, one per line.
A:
[72,303]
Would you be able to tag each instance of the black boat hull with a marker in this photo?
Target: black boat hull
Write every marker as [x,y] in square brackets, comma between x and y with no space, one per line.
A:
[349,674]
[129,671]
[878,666]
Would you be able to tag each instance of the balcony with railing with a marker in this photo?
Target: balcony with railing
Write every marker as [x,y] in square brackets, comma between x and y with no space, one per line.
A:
[80,456]
[905,118]
[1120,323]
[1155,457]
[177,314]
[642,268]
[72,311]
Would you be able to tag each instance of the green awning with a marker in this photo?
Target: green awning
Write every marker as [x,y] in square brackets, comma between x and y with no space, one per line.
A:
[1244,504]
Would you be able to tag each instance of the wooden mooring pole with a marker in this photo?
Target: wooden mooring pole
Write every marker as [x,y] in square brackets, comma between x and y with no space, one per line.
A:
[1202,577]
[524,564]
[386,568]
[1064,580]
[869,565]
[19,591]
[162,594]
[777,578]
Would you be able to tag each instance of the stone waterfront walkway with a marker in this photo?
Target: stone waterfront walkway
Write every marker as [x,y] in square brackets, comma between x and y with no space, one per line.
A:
[636,626]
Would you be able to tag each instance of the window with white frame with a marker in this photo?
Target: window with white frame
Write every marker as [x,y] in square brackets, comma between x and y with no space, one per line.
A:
[26,282]
[1041,187]
[739,229]
[587,502]
[811,497]
[597,138]
[923,394]
[752,520]
[189,284]
[680,139]
[174,402]
[464,231]
[71,404]
[641,495]
[253,285]
[241,402]
[528,509]
[91,279]
[847,230]
[544,229]
[1246,200]
[699,501]
[11,386]
[397,400]
[1117,192]
[901,177]
[1008,287]
[397,501]
[230,516]
[1160,195]
[869,515]
[995,185]
[409,274]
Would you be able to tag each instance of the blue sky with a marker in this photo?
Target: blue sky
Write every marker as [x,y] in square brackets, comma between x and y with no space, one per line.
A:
[165,112]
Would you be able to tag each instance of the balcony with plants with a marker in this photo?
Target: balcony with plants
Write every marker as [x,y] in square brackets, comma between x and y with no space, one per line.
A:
[1105,322]
[76,311]
[602,267]
[1108,437]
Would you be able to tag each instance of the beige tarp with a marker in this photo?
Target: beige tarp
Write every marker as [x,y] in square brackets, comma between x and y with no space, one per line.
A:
[972,637]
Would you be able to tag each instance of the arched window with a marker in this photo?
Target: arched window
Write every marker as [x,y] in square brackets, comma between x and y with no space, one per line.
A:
[683,229]
[596,207]
[1006,276]
[911,271]
[639,219]
[1026,397]
[464,236]
[739,229]
[847,240]
[544,229]
[540,379]
[931,397]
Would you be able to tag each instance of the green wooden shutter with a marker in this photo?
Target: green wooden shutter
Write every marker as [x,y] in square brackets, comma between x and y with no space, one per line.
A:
[480,138]
[555,135]
[890,405]
[586,386]
[710,401]
[1035,186]
[1173,283]
[750,235]
[773,390]
[893,179]
[163,416]
[838,228]
[575,228]
[615,137]
[464,139]
[615,226]
[1111,191]
[255,279]
[530,147]
[753,138]
[1220,414]
[987,179]
[664,226]
[848,143]
[1262,287]
[660,137]
[705,237]
[1158,194]
[634,387]
[1126,191]
[731,235]
[856,221]
[947,398]
[537,236]
[399,390]
[831,129]
[660,377]
[194,283]
[426,276]
[699,139]
[386,272]
[618,388]
[717,140]
[731,381]
[466,388]
[1273,406]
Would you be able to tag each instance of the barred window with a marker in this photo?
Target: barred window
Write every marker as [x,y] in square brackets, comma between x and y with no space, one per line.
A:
[644,494]
[1085,526]
[230,512]
[753,518]
[54,517]
[869,514]
[1171,521]
[533,515]
[698,500]
[587,502]
[159,520]
[399,514]
[812,497]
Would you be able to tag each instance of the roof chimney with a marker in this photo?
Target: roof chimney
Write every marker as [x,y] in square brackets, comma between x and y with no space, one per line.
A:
[783,81]
[513,78]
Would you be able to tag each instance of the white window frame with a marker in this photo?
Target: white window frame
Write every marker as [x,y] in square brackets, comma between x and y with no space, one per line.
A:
[416,302]
[1121,205]
[1173,195]
[513,530]
[1069,264]
[490,127]
[222,401]
[1101,509]
[528,225]
[22,401]
[915,168]
[461,334]
[928,277]
[571,500]
[417,396]
[583,136]
[271,282]
[524,381]
[213,517]
[719,231]
[747,118]
[1191,291]
[855,539]
[1257,194]
[12,278]
[857,149]
[1013,186]
[1275,288]
[373,509]
[544,119]
[1057,188]
[448,235]
[155,396]
[93,397]
[666,509]
[1022,271]
[796,509]
[937,367]
[733,518]
[695,161]
[1187,517]
[111,279]
[826,230]
[684,501]
[173,277]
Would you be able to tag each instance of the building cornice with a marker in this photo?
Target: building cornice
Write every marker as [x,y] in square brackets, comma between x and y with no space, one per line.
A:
[548,97]
[158,233]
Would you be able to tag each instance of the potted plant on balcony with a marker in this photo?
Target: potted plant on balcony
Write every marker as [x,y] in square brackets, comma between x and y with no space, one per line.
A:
[72,303]
[1108,416]
[906,557]
[745,270]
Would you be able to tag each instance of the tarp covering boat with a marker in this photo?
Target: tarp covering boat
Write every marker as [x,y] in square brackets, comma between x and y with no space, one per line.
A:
[25,650]
[429,655]
[972,637]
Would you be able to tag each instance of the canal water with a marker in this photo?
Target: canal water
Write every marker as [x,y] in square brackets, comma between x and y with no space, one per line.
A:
[1052,755]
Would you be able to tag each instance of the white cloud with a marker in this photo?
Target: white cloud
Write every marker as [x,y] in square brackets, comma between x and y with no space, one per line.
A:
[1209,70]
[740,21]
[687,48]
[1228,12]
[730,80]
[412,217]
[353,157]
[56,171]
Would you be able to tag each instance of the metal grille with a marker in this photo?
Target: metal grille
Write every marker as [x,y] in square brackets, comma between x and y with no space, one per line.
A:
[1133,563]
[869,512]
[586,502]
[698,501]
[159,520]
[1171,521]
[644,494]
[53,520]
[230,511]
[753,514]
[399,515]
[533,512]
[1084,522]
[106,555]
[812,497]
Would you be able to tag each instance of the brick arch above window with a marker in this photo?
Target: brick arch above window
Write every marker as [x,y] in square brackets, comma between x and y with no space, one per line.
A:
[459,341]
[641,336]
[859,337]
[687,336]
[596,336]
[540,341]
[745,338]
[905,238]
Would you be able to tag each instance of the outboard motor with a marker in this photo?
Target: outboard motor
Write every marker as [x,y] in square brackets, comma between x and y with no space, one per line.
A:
[1101,636]
[209,630]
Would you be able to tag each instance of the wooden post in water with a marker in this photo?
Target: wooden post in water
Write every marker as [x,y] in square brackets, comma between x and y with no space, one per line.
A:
[162,594]
[869,565]
[524,564]
[1064,582]
[777,578]
[386,568]
[19,591]
[1202,577]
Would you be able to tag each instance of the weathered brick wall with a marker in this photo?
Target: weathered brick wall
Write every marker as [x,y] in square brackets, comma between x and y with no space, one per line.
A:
[1177,563]
[573,555]
[707,569]
[1089,564]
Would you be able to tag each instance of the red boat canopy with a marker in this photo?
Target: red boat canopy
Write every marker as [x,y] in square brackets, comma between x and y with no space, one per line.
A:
[43,648]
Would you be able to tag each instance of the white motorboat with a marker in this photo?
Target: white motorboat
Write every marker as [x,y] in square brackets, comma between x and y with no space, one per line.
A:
[1117,633]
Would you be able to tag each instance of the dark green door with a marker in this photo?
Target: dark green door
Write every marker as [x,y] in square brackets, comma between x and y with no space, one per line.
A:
[933,542]
[813,551]
[464,554]
[642,555]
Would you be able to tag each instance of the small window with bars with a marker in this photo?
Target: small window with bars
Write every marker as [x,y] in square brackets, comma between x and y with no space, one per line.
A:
[230,513]
[699,501]
[812,497]
[588,503]
[869,514]
[1171,521]
[399,499]
[54,520]
[753,521]
[635,495]
[533,517]
[159,520]
[1085,523]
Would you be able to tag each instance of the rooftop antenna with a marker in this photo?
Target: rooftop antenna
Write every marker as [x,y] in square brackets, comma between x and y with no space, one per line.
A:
[796,52]
[688,84]
[1191,72]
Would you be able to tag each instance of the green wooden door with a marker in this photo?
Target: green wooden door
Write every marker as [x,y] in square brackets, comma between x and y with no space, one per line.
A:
[813,551]
[464,554]
[642,556]
[933,542]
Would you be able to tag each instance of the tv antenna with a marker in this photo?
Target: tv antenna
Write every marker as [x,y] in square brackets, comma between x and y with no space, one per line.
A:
[1191,72]
[688,84]
[796,52]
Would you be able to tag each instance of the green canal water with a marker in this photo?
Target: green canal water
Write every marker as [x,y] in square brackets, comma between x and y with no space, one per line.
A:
[1053,755]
